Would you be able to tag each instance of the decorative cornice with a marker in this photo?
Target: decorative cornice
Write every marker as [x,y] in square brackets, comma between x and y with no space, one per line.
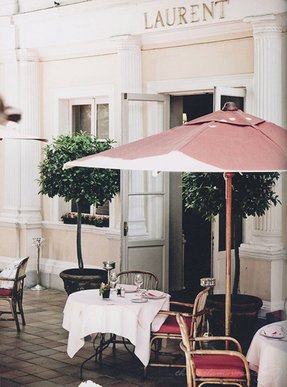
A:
[266,253]
[8,7]
[127,42]
[265,24]
[145,41]
[27,55]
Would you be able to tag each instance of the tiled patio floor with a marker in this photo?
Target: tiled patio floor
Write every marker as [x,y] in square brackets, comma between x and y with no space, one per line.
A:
[37,356]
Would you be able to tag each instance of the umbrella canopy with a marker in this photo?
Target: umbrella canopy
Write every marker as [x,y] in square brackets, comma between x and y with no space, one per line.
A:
[7,132]
[227,140]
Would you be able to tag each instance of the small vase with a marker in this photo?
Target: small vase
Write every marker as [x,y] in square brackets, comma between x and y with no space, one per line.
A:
[106,293]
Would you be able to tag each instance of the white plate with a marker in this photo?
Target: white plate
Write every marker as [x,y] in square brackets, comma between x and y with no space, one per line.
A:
[274,332]
[128,288]
[139,300]
[153,295]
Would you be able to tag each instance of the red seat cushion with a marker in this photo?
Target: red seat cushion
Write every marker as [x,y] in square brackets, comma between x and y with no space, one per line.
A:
[171,326]
[219,366]
[5,292]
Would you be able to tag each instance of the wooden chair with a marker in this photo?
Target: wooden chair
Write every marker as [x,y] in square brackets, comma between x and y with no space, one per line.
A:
[150,281]
[195,318]
[213,366]
[11,290]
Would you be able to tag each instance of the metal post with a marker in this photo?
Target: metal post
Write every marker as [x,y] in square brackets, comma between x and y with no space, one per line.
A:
[228,191]
[38,242]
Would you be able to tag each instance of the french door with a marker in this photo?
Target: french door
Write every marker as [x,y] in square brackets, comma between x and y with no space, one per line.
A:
[144,195]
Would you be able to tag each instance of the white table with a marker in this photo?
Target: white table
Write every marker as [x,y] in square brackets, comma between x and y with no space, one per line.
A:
[86,313]
[268,357]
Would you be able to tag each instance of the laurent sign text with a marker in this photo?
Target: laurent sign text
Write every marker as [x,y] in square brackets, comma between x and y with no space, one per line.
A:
[176,16]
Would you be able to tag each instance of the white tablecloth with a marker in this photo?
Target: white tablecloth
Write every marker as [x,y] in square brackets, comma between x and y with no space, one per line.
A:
[268,357]
[86,313]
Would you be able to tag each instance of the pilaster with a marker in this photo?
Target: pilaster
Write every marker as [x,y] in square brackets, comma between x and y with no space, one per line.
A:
[267,33]
[20,200]
[265,235]
[130,81]
[29,92]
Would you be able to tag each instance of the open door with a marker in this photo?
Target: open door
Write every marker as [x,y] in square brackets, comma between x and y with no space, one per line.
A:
[144,195]
[221,96]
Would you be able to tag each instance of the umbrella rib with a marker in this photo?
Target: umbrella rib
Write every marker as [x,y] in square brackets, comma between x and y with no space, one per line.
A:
[269,138]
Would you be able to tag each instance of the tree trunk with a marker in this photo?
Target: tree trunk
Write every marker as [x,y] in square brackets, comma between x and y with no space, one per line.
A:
[79,237]
[236,254]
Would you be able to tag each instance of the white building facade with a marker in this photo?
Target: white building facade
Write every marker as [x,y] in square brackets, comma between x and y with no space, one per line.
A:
[111,56]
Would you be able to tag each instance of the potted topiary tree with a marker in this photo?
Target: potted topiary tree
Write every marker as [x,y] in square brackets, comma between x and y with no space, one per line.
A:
[252,194]
[82,185]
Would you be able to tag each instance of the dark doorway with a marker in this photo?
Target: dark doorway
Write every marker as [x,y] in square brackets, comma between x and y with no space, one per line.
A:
[197,231]
[197,250]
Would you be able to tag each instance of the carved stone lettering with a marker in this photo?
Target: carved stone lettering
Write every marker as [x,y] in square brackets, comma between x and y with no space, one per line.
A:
[180,16]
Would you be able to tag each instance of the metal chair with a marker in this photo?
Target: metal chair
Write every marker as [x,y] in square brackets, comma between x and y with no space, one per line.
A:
[150,281]
[194,318]
[213,366]
[11,290]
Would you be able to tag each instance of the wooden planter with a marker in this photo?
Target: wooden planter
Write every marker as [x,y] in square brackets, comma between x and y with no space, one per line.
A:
[244,314]
[82,279]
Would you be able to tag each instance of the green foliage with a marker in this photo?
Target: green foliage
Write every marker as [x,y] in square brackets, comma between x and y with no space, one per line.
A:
[91,185]
[252,193]
[95,186]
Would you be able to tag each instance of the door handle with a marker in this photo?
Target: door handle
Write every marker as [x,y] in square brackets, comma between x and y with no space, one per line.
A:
[126,228]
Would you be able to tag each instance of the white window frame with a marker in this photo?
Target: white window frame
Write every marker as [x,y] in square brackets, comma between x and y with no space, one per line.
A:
[60,122]
[94,102]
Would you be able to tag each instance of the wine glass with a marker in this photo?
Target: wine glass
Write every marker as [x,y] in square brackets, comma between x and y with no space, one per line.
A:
[113,279]
[138,282]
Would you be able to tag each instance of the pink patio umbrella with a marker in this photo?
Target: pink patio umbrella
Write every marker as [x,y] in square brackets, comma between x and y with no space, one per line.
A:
[9,115]
[8,133]
[227,140]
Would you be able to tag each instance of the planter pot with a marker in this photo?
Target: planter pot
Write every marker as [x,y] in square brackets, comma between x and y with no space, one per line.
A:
[82,279]
[244,313]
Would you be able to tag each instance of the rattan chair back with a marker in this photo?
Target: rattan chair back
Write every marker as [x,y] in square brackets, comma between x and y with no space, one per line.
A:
[150,281]
[210,365]
[14,294]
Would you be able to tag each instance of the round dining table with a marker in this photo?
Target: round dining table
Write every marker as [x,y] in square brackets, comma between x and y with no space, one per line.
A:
[86,313]
[267,355]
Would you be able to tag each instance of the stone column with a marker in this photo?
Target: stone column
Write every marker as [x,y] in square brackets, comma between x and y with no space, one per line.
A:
[10,149]
[20,199]
[29,92]
[265,239]
[10,156]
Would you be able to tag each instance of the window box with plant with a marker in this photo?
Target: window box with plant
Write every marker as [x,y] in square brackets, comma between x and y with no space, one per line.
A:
[93,220]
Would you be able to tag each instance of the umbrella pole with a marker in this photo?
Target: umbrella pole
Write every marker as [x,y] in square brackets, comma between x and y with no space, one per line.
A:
[228,198]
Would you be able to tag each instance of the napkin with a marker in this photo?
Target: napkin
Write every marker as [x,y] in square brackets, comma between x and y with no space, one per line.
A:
[275,331]
[153,294]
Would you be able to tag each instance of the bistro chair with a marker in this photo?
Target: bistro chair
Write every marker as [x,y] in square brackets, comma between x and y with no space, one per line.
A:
[169,330]
[213,366]
[150,281]
[11,290]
